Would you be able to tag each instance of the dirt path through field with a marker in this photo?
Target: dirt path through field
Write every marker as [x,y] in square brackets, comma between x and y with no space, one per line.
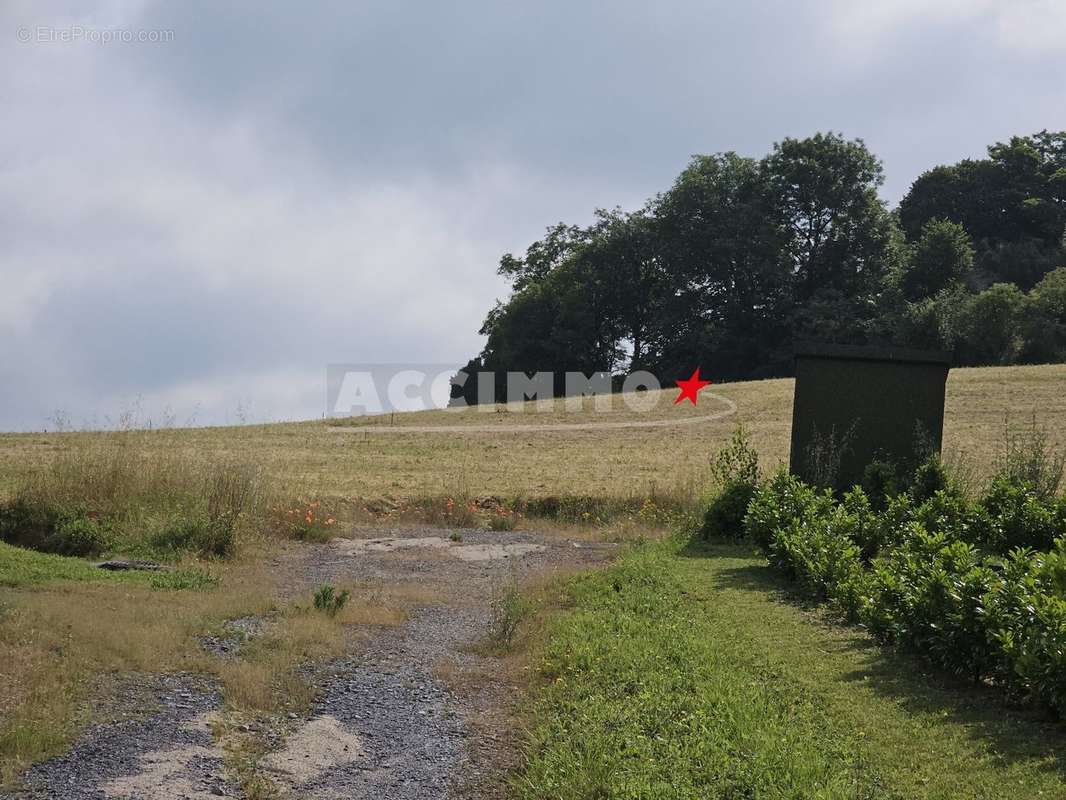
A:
[413,711]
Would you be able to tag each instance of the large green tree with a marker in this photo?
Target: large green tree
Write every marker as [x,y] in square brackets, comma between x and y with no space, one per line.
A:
[940,259]
[544,255]
[1012,204]
[1044,325]
[560,322]
[622,257]
[837,229]
[724,251]
[988,327]
[741,257]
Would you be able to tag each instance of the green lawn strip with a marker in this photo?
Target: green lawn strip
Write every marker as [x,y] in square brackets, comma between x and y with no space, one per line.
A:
[22,567]
[682,674]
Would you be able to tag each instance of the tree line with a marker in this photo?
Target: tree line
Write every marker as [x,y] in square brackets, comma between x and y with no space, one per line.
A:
[741,257]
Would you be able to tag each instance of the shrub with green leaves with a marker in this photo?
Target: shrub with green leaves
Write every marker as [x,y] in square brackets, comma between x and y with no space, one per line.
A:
[196,533]
[49,529]
[27,524]
[884,480]
[1013,515]
[857,519]
[880,481]
[1026,620]
[737,462]
[735,476]
[930,477]
[777,503]
[929,594]
[329,600]
[724,517]
[819,553]
[77,535]
[931,575]
[945,512]
[978,587]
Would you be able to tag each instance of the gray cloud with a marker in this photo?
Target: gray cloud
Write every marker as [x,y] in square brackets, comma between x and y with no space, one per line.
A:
[211,220]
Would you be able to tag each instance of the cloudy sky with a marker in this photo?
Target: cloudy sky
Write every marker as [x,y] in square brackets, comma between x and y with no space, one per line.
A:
[197,227]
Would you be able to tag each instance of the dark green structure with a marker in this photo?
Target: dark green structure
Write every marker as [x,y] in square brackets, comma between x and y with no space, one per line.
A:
[854,405]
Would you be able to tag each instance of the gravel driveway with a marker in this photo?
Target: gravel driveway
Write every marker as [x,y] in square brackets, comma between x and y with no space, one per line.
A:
[413,712]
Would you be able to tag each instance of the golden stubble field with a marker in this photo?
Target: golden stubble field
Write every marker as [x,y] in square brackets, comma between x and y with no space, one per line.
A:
[499,452]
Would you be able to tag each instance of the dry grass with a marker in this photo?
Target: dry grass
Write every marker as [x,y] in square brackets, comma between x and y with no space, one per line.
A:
[114,491]
[264,680]
[313,458]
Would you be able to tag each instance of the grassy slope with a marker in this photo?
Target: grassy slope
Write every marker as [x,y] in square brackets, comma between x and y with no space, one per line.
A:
[681,674]
[312,457]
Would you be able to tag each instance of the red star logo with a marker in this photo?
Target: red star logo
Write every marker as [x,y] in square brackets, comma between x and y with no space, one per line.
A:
[690,388]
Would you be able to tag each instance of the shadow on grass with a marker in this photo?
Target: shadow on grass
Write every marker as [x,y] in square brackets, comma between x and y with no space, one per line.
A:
[696,547]
[756,577]
[1016,734]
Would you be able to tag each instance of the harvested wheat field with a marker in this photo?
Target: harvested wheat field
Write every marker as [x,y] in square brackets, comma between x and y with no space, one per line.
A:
[348,458]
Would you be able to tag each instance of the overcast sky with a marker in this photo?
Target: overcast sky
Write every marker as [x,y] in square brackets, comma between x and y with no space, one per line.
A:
[199,226]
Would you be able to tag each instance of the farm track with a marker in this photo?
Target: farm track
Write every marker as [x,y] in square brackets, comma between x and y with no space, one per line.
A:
[412,711]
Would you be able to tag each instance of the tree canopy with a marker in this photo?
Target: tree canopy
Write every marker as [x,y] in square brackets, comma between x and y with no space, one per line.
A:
[741,257]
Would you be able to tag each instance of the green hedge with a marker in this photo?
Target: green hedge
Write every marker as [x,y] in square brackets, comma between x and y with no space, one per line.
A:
[979,588]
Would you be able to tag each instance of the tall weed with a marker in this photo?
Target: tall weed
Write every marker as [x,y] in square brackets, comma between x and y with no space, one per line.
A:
[110,492]
[735,477]
[1028,458]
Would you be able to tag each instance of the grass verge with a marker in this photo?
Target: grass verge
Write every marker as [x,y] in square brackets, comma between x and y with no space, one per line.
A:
[22,567]
[679,673]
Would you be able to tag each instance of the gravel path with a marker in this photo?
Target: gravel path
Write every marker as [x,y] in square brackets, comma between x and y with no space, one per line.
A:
[410,726]
[168,753]
[424,737]
[413,713]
